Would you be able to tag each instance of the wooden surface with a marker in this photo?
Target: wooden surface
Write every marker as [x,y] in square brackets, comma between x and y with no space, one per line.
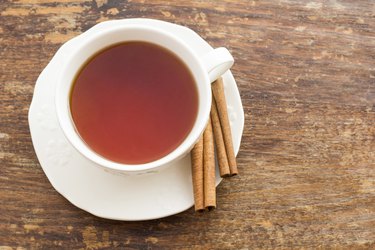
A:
[306,74]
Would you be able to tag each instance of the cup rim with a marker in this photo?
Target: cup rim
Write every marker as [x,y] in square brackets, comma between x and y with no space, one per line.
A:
[67,123]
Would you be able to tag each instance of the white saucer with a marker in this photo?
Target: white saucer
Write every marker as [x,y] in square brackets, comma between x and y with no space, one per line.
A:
[105,194]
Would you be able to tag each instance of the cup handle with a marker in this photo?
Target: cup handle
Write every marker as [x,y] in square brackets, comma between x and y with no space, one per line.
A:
[217,62]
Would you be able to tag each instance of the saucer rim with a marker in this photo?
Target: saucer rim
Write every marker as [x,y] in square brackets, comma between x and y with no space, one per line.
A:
[32,107]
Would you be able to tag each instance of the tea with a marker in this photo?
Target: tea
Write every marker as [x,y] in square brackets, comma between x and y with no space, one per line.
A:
[134,102]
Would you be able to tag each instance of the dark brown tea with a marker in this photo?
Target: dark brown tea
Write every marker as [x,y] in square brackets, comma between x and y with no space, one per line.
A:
[134,102]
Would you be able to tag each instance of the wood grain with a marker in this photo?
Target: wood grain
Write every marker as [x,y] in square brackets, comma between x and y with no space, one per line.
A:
[306,74]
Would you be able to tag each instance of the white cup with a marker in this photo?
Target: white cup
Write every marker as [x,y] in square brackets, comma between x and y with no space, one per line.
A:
[205,69]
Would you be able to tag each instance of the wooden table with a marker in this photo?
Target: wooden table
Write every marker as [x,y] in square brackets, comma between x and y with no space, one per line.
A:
[306,74]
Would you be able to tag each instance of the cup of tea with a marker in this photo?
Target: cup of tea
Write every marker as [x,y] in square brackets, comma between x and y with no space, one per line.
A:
[134,98]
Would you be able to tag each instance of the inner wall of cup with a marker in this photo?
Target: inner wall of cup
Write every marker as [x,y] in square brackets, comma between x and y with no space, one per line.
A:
[110,38]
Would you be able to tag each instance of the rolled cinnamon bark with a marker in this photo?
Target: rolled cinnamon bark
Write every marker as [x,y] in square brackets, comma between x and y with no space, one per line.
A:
[197,173]
[209,168]
[219,142]
[219,96]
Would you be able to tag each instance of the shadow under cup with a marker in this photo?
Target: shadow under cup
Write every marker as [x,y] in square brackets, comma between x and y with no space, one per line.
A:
[98,44]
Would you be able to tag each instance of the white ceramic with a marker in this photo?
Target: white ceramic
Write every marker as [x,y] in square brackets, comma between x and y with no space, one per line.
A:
[99,191]
[204,70]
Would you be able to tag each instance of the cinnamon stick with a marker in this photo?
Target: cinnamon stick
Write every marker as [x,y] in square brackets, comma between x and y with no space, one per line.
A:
[197,173]
[209,168]
[219,96]
[219,142]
